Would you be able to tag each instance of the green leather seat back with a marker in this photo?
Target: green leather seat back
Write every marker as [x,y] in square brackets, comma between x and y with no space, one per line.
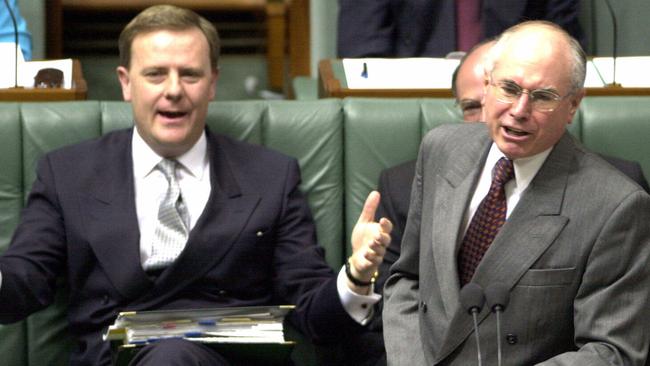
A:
[618,126]
[312,131]
[381,133]
[47,126]
[14,336]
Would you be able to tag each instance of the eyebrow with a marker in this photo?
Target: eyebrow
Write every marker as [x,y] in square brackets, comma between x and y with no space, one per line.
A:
[547,89]
[468,101]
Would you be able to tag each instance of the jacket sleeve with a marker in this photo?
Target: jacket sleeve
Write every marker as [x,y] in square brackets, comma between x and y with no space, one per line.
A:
[302,276]
[36,255]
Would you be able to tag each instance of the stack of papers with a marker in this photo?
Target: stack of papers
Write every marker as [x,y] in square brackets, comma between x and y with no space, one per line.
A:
[399,73]
[257,324]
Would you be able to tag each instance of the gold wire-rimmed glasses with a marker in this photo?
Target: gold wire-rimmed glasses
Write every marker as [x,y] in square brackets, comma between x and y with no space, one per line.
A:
[542,100]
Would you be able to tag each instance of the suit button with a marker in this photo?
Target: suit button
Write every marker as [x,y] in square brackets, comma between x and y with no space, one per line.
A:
[423,306]
[512,339]
[223,292]
[105,299]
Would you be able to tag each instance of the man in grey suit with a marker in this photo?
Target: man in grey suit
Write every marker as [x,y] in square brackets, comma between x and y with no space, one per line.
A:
[574,247]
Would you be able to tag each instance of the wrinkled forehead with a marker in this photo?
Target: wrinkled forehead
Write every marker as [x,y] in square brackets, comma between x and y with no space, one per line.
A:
[538,59]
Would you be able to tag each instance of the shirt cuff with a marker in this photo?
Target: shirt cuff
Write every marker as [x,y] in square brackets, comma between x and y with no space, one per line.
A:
[359,307]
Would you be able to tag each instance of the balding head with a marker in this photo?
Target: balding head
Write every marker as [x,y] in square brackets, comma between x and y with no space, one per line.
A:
[538,39]
[534,87]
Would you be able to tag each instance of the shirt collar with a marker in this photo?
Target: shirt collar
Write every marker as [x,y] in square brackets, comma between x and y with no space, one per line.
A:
[145,159]
[525,168]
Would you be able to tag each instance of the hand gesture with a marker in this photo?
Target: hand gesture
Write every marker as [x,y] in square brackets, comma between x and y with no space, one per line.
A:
[369,242]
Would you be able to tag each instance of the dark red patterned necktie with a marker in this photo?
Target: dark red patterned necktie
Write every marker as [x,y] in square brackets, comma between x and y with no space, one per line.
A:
[486,222]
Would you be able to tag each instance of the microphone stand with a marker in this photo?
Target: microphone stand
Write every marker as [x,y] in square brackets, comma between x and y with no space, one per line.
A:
[497,296]
[472,298]
[614,43]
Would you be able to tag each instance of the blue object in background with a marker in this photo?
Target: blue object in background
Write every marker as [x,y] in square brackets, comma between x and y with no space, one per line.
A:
[7,28]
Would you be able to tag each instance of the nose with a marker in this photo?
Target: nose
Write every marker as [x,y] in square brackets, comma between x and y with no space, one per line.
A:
[522,107]
[173,87]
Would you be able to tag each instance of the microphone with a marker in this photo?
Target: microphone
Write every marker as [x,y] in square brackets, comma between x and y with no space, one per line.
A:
[13,20]
[497,296]
[473,299]
[614,41]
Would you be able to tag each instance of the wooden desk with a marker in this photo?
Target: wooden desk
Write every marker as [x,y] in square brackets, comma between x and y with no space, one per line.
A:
[273,11]
[332,84]
[78,91]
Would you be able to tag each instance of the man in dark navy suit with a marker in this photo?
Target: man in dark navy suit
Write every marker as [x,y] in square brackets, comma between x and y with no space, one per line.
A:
[168,215]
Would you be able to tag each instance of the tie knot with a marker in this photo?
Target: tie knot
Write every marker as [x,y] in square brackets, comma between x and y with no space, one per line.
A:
[503,171]
[168,168]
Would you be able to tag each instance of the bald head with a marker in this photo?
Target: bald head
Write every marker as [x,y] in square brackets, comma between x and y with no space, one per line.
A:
[468,82]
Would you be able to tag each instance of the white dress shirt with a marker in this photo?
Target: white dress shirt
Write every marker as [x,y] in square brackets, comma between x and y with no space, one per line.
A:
[193,177]
[525,171]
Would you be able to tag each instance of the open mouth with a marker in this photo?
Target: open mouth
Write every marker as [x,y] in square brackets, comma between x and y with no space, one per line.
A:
[515,132]
[172,114]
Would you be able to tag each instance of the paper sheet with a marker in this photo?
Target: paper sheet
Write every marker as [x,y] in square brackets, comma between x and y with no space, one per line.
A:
[7,63]
[27,70]
[631,71]
[399,73]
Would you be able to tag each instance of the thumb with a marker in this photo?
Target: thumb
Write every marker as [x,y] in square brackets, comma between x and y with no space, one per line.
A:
[369,208]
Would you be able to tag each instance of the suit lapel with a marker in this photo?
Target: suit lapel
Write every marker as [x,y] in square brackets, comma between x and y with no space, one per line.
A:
[111,220]
[530,230]
[452,196]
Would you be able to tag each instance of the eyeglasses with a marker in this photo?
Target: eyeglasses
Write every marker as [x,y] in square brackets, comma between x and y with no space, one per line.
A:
[541,100]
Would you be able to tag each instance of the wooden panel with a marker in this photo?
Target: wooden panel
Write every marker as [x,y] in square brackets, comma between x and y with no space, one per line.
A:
[78,91]
[299,34]
[276,47]
[271,12]
[141,4]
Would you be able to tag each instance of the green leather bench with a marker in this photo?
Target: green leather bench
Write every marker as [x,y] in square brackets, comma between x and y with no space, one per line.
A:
[341,146]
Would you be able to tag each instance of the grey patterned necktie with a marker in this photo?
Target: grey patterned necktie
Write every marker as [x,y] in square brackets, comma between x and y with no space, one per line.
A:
[171,230]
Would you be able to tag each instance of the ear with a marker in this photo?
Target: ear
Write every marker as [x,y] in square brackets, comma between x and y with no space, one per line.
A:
[213,83]
[575,103]
[125,82]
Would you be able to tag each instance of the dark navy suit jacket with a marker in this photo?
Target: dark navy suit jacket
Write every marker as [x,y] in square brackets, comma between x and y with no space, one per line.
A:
[254,244]
[415,28]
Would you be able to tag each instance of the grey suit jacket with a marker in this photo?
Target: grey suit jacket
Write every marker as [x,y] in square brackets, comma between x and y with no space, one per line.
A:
[573,253]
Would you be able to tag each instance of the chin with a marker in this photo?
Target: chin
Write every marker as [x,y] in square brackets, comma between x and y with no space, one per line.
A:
[512,151]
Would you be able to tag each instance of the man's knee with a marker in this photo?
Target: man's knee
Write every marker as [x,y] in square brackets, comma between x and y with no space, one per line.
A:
[178,352]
